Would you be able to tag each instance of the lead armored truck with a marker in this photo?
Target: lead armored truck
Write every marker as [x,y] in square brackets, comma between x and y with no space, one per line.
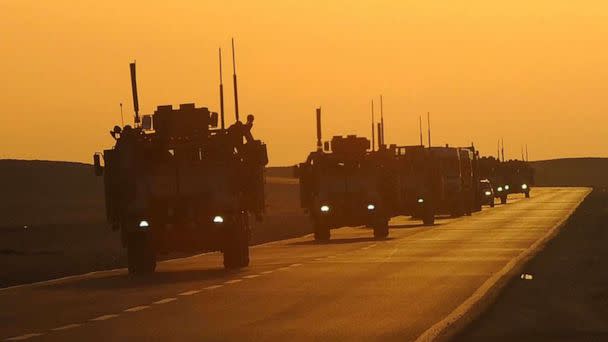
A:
[179,183]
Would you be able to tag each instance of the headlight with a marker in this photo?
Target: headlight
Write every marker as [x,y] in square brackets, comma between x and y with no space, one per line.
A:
[421,200]
[524,186]
[218,219]
[488,193]
[506,187]
[371,207]
[499,189]
[144,224]
[325,208]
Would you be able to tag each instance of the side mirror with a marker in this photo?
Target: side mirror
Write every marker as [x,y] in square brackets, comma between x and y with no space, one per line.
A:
[296,171]
[97,165]
[146,122]
[213,119]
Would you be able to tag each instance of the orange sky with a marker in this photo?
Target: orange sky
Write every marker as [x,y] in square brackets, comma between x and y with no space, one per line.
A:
[532,72]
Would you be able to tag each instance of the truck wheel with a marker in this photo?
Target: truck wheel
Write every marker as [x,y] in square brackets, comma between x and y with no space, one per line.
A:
[381,229]
[503,199]
[527,194]
[492,203]
[141,256]
[236,247]
[428,217]
[322,232]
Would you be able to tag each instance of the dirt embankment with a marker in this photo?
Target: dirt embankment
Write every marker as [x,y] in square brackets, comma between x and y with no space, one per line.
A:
[52,220]
[572,172]
[566,298]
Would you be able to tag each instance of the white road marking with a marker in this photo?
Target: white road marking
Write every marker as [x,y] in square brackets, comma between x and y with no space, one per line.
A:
[66,327]
[233,281]
[251,276]
[283,268]
[295,265]
[319,259]
[212,287]
[189,293]
[104,317]
[23,337]
[267,272]
[166,300]
[137,308]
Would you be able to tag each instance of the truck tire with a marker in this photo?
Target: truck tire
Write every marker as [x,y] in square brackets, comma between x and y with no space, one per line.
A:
[527,194]
[322,232]
[381,228]
[503,199]
[492,203]
[236,246]
[141,257]
[428,217]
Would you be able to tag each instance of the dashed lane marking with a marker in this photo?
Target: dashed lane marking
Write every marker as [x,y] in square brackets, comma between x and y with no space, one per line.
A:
[295,265]
[137,308]
[66,327]
[23,337]
[233,281]
[283,268]
[251,276]
[164,301]
[267,272]
[189,293]
[104,317]
[212,287]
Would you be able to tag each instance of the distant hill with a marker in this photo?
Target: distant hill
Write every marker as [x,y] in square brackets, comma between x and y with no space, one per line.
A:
[572,172]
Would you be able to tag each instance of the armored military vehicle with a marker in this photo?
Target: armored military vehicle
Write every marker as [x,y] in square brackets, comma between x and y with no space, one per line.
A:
[341,185]
[451,192]
[176,182]
[519,177]
[416,181]
[494,170]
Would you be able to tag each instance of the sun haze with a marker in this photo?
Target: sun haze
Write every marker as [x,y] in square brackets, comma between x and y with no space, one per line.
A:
[529,72]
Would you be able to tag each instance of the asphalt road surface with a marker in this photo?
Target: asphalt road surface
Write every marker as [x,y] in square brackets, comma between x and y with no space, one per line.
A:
[353,288]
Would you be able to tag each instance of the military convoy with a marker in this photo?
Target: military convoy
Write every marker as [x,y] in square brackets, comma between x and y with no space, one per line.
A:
[180,181]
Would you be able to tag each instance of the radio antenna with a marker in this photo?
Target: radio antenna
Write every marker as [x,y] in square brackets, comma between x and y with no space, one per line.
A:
[420,122]
[381,137]
[373,128]
[122,118]
[428,125]
[221,91]
[134,91]
[319,143]
[236,93]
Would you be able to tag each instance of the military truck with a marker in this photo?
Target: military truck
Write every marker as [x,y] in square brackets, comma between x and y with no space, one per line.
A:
[469,165]
[416,181]
[176,182]
[494,170]
[450,191]
[340,185]
[519,177]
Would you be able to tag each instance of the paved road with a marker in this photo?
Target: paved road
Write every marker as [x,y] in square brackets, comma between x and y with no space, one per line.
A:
[354,288]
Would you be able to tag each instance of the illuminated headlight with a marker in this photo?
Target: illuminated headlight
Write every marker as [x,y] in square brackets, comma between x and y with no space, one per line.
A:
[218,219]
[421,200]
[488,193]
[506,187]
[371,207]
[499,189]
[324,208]
[144,224]
[524,186]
